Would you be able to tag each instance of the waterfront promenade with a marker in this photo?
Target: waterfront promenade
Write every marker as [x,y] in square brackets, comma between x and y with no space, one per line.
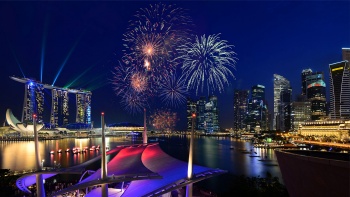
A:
[326,144]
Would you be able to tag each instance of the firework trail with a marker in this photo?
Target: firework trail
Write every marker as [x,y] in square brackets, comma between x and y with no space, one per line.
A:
[120,81]
[173,91]
[134,102]
[207,63]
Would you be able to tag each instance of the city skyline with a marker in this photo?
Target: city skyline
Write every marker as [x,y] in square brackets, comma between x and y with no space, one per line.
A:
[77,44]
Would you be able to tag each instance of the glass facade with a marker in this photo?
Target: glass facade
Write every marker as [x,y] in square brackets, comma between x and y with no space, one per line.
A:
[339,90]
[240,109]
[281,90]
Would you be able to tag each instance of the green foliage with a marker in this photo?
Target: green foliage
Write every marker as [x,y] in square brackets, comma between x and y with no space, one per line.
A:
[255,187]
[7,182]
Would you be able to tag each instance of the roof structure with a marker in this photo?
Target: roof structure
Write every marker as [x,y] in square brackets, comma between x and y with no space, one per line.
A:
[29,179]
[144,165]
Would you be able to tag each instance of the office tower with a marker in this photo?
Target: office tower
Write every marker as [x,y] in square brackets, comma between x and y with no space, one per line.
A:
[201,113]
[257,110]
[301,112]
[304,73]
[284,118]
[316,94]
[240,109]
[339,90]
[282,93]
[83,103]
[191,108]
[215,113]
[346,54]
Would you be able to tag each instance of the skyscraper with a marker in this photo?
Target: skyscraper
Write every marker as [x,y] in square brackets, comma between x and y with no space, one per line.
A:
[34,98]
[339,90]
[304,74]
[346,54]
[191,108]
[281,89]
[301,112]
[257,109]
[240,109]
[215,113]
[201,113]
[316,94]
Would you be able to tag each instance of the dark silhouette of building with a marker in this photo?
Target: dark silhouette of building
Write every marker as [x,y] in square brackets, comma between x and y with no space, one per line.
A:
[240,109]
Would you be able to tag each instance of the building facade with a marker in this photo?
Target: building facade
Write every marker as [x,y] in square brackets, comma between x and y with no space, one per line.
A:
[257,117]
[332,127]
[301,112]
[346,54]
[207,114]
[191,108]
[339,90]
[316,94]
[34,102]
[240,109]
[282,96]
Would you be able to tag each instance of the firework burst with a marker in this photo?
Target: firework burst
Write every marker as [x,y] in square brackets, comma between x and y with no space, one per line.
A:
[139,82]
[152,38]
[207,63]
[163,120]
[134,102]
[173,91]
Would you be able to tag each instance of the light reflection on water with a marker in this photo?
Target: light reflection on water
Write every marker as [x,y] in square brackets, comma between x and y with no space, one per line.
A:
[216,152]
[20,155]
[213,152]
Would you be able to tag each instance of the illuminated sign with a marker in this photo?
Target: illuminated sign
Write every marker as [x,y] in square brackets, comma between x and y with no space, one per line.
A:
[339,68]
[317,83]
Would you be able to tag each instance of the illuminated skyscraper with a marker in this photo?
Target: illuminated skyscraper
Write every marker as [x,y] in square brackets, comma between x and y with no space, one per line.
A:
[191,108]
[83,103]
[304,74]
[33,101]
[207,114]
[282,90]
[34,97]
[201,113]
[240,109]
[215,113]
[316,94]
[257,110]
[339,90]
[59,107]
[301,112]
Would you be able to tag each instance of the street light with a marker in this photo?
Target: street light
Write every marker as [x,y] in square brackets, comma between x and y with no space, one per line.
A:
[189,189]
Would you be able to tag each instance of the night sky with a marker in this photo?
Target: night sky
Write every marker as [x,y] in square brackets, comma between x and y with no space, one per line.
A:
[86,38]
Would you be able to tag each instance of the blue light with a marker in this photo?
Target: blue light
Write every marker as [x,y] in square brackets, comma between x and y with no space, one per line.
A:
[65,61]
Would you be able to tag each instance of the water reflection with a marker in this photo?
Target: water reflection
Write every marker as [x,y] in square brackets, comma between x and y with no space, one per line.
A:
[221,152]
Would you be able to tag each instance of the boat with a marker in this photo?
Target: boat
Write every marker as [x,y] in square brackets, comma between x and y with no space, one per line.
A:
[67,150]
[52,152]
[59,150]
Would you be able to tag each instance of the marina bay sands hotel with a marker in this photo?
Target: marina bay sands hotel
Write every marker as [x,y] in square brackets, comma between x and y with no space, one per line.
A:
[34,102]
